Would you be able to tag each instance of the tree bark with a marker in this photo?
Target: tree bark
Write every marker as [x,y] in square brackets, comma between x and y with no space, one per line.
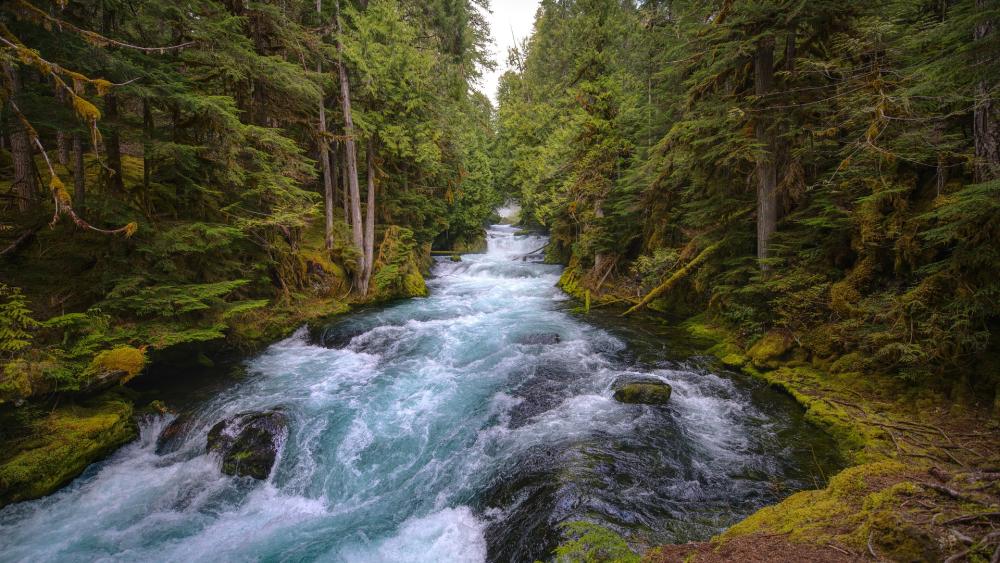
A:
[327,171]
[112,145]
[25,187]
[147,130]
[345,199]
[79,180]
[767,209]
[62,142]
[351,157]
[369,219]
[986,118]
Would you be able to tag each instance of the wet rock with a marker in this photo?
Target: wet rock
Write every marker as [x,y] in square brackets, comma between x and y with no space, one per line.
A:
[249,442]
[173,434]
[540,338]
[643,392]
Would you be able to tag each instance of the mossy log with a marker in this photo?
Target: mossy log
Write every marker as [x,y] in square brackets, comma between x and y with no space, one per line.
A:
[672,280]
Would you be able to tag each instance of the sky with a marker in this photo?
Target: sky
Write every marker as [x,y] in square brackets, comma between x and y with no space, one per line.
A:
[510,21]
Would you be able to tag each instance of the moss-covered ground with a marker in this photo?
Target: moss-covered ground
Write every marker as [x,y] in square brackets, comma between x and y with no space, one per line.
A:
[44,450]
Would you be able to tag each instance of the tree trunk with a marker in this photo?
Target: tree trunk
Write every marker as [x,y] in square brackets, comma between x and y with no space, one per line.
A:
[369,218]
[79,180]
[112,146]
[62,142]
[345,200]
[24,184]
[352,159]
[147,139]
[767,209]
[986,117]
[324,157]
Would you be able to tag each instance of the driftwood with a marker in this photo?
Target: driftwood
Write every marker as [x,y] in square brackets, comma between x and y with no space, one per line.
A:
[672,280]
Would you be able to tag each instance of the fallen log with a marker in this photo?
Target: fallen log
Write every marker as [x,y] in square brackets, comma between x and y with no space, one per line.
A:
[676,277]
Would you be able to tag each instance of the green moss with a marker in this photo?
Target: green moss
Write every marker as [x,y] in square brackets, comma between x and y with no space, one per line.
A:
[590,543]
[62,444]
[127,360]
[643,393]
[769,349]
[819,516]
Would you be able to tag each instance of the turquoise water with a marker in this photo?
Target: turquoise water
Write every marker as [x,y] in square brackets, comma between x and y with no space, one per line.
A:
[435,430]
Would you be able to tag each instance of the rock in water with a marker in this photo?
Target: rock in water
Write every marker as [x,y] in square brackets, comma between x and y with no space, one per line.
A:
[643,392]
[249,442]
[172,436]
[540,338]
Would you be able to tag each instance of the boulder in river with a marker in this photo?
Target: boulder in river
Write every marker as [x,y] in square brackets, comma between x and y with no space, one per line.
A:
[173,434]
[646,392]
[540,338]
[249,442]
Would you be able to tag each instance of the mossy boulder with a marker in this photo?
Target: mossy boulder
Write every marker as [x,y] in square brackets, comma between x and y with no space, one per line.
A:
[769,350]
[113,367]
[61,444]
[248,443]
[643,392]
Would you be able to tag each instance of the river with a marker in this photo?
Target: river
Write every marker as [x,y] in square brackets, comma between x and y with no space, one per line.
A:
[449,428]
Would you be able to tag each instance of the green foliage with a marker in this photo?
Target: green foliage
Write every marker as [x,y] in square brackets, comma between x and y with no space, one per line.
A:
[642,142]
[16,321]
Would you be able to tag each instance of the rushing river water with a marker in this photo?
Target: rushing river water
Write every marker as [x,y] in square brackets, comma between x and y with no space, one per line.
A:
[451,428]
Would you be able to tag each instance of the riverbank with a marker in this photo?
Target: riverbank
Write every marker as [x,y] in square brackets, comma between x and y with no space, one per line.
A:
[49,435]
[923,482]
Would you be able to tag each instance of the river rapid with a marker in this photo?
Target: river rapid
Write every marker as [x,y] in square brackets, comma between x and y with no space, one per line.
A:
[451,428]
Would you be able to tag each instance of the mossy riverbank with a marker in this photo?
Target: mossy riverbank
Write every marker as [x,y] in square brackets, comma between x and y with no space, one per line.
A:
[51,435]
[922,484]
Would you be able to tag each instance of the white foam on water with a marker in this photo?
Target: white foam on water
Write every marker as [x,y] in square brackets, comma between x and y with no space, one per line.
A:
[427,405]
[452,534]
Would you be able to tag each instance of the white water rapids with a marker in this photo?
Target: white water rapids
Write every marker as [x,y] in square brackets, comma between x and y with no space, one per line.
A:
[451,428]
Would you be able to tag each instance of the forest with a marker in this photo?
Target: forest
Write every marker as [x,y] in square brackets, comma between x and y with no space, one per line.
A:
[827,170]
[179,174]
[811,190]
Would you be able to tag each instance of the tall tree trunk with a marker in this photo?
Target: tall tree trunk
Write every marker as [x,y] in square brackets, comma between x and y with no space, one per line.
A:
[327,180]
[345,200]
[112,138]
[986,117]
[767,208]
[352,159]
[25,187]
[62,141]
[324,155]
[370,218]
[112,145]
[147,139]
[79,180]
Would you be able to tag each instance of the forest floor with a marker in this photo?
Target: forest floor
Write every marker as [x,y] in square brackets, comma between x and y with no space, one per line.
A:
[924,484]
[923,475]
